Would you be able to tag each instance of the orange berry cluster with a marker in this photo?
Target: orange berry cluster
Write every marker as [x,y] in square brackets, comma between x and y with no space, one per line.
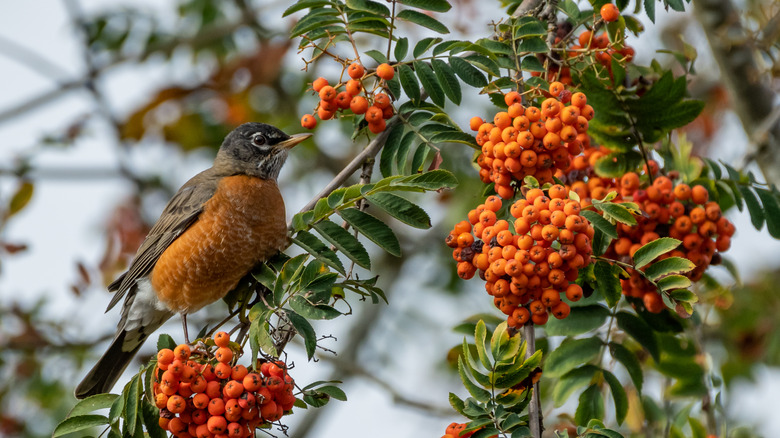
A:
[605,51]
[587,43]
[376,107]
[671,210]
[204,396]
[536,141]
[526,265]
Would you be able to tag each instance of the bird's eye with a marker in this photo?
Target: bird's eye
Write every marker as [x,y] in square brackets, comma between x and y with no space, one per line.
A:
[258,139]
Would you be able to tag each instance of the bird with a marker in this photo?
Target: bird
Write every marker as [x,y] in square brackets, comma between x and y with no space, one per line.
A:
[216,228]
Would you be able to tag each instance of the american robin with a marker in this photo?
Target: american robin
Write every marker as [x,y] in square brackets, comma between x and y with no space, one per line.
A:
[217,227]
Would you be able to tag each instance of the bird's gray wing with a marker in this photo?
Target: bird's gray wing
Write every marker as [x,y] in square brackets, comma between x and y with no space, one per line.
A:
[181,212]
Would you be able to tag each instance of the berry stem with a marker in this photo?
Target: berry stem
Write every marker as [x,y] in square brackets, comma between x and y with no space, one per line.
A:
[392,26]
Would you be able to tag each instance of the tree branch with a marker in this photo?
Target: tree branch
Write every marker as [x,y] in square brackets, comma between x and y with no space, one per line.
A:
[753,98]
[534,409]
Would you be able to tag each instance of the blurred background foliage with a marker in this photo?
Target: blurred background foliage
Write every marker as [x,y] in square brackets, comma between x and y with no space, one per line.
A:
[229,62]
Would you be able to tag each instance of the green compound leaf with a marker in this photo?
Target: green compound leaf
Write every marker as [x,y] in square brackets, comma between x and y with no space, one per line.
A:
[647,253]
[608,281]
[478,393]
[581,319]
[304,328]
[618,396]
[468,73]
[429,82]
[401,209]
[428,5]
[630,362]
[423,20]
[373,228]
[448,81]
[590,406]
[669,266]
[570,354]
[78,424]
[570,382]
[640,331]
[344,242]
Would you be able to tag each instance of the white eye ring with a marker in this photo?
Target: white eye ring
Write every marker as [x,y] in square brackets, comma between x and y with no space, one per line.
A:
[258,139]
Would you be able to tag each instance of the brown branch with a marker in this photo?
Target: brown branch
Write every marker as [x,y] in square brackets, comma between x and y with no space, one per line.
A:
[752,96]
[526,7]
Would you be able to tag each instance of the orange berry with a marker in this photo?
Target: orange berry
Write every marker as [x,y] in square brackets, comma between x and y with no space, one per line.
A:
[653,302]
[377,127]
[353,87]
[198,384]
[327,93]
[493,203]
[182,352]
[161,400]
[224,354]
[342,100]
[551,107]
[359,105]
[217,424]
[165,356]
[573,292]
[512,97]
[385,71]
[176,426]
[515,110]
[233,389]
[325,114]
[373,114]
[540,318]
[502,120]
[239,372]
[682,192]
[561,310]
[318,84]
[382,100]
[223,370]
[308,121]
[176,404]
[609,12]
[556,88]
[475,123]
[699,195]
[355,70]
[579,100]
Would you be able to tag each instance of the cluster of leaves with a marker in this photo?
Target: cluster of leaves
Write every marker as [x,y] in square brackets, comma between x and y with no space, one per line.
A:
[499,382]
[298,291]
[631,116]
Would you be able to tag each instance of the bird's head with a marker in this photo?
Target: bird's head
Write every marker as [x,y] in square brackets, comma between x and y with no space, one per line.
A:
[256,149]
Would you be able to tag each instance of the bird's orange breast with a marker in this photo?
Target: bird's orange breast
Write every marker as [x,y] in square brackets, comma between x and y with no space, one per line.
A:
[240,226]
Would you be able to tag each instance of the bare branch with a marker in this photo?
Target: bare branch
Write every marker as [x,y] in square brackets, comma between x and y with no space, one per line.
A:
[534,409]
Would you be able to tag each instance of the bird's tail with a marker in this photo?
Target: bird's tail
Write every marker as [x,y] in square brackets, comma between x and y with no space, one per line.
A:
[108,369]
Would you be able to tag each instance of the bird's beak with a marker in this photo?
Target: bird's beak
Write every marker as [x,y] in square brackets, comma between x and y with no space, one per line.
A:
[292,141]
